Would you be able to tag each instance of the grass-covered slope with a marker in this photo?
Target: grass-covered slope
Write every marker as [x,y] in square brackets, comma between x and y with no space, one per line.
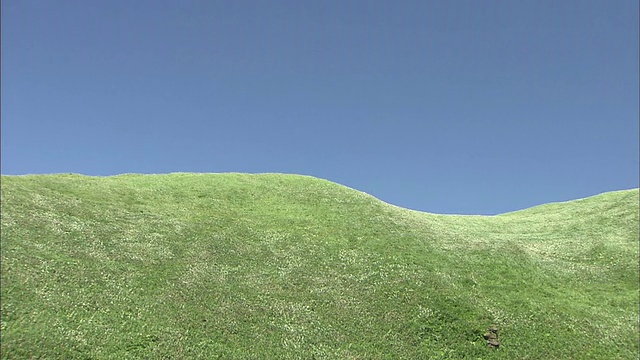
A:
[244,266]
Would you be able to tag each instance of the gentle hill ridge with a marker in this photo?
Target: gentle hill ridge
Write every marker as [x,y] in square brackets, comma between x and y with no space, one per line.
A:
[289,266]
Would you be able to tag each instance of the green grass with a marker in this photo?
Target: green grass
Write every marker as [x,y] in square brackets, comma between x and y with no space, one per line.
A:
[239,266]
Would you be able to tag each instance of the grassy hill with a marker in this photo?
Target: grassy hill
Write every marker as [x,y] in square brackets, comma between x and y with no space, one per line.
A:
[270,266]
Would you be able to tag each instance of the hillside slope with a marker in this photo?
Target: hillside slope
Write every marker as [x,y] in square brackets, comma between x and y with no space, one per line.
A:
[286,266]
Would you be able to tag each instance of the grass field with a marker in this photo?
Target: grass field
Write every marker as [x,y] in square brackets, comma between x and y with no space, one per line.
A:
[239,266]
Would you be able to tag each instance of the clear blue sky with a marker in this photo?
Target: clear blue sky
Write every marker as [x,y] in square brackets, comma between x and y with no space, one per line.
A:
[451,106]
